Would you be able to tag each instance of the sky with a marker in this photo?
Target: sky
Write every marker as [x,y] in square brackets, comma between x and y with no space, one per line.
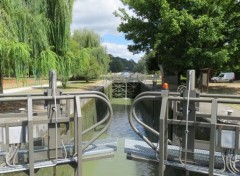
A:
[97,15]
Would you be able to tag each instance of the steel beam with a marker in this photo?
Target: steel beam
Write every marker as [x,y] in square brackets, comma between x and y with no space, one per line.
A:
[213,137]
[162,136]
[30,137]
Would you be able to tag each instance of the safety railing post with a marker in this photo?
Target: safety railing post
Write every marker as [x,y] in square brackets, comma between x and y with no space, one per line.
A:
[53,111]
[163,133]
[78,135]
[189,114]
[213,136]
[30,137]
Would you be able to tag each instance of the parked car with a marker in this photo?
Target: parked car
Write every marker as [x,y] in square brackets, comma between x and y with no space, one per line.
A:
[224,77]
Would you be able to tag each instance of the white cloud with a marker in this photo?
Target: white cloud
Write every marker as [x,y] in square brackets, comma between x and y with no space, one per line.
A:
[98,16]
[120,50]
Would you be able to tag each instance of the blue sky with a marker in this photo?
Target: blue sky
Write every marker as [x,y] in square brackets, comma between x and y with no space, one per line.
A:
[115,39]
[98,16]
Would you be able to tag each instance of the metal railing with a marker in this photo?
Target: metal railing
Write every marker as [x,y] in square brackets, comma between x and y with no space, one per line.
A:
[220,154]
[58,113]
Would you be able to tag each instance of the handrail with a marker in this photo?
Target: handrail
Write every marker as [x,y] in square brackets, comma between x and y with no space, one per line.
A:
[106,120]
[158,96]
[22,96]
[108,117]
[200,95]
[132,114]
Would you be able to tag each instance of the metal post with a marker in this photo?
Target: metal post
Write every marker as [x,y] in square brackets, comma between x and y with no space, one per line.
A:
[78,135]
[174,128]
[189,114]
[191,78]
[165,94]
[30,137]
[213,137]
[53,113]
[162,134]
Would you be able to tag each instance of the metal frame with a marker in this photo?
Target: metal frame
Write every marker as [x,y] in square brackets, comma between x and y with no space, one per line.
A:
[30,118]
[173,99]
[125,89]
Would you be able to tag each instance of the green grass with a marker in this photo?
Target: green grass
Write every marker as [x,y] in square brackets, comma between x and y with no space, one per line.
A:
[225,89]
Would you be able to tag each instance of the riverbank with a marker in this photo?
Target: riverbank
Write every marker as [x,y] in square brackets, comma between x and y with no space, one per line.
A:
[72,86]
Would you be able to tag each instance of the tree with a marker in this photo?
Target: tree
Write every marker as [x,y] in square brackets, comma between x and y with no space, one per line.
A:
[119,64]
[140,67]
[184,34]
[91,59]
[116,65]
[34,37]
[59,13]
[23,38]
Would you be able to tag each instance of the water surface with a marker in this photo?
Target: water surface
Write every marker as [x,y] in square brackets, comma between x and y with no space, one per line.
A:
[119,165]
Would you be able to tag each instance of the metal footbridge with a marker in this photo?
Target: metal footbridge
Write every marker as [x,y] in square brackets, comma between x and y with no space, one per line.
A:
[49,131]
[177,145]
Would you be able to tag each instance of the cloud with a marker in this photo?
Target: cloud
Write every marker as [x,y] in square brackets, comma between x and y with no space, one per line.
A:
[120,50]
[97,15]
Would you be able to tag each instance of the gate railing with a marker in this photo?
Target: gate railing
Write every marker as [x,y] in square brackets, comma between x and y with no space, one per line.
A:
[39,135]
[219,154]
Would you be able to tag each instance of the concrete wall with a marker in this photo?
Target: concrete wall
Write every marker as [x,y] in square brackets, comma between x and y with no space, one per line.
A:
[149,110]
[94,110]
[101,108]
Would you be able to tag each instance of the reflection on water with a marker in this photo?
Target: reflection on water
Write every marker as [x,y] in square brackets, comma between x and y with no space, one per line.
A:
[119,165]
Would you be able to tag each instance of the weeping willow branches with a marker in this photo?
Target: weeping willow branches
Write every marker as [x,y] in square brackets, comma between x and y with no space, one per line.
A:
[35,38]
[91,58]
[36,29]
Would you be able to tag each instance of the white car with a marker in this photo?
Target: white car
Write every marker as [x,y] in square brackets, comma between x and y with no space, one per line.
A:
[224,77]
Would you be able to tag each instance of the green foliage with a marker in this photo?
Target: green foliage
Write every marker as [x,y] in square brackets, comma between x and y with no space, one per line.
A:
[35,38]
[102,58]
[60,15]
[46,62]
[184,34]
[15,58]
[116,64]
[81,63]
[91,59]
[119,64]
[140,67]
[86,38]
[65,67]
[36,29]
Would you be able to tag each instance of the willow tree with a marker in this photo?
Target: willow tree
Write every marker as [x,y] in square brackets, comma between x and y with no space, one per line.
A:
[22,36]
[34,37]
[91,58]
[59,12]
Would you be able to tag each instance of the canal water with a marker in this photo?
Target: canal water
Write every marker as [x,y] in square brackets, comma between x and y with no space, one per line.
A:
[119,165]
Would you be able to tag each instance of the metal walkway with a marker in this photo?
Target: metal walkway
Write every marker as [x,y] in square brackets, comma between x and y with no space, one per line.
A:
[141,151]
[99,149]
[207,143]
[39,135]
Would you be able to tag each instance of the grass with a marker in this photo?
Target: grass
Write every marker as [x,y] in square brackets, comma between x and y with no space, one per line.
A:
[223,89]
[81,85]
[226,88]
[10,83]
